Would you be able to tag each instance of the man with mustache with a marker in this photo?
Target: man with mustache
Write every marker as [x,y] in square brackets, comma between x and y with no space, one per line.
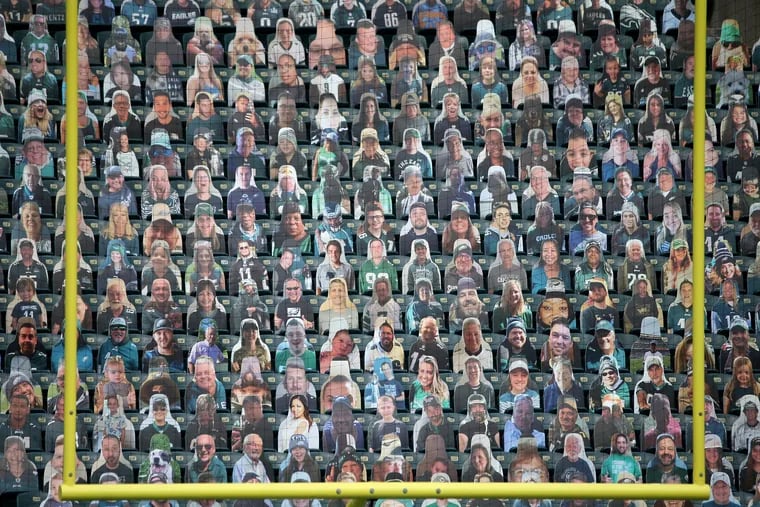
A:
[467,304]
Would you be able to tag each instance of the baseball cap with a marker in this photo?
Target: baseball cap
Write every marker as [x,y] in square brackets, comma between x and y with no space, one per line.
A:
[619,132]
[249,476]
[738,321]
[518,362]
[418,204]
[245,59]
[161,211]
[651,59]
[394,477]
[410,99]
[37,94]
[113,172]
[298,440]
[412,132]
[604,325]
[463,248]
[430,401]
[626,477]
[203,132]
[160,324]
[116,322]
[204,209]
[440,477]
[160,137]
[567,401]
[369,133]
[719,477]
[754,208]
[712,441]
[459,207]
[300,477]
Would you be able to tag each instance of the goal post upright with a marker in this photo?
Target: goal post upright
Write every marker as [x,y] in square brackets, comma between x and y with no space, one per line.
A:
[361,492]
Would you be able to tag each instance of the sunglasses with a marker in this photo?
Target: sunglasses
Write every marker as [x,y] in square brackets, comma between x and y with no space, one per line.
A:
[608,373]
[160,152]
[588,218]
[206,447]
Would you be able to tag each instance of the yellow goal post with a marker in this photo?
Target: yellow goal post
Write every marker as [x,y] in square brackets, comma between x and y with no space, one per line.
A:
[358,493]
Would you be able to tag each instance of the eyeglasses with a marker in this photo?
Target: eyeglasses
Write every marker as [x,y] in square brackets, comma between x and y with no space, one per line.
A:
[36,60]
[292,288]
[374,217]
[206,447]
[588,218]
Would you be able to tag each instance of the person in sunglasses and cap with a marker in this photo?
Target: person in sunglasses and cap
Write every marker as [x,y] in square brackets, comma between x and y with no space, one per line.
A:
[585,232]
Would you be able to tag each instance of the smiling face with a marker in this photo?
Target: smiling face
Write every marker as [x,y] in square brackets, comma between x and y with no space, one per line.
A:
[205,449]
[426,375]
[296,337]
[578,153]
[549,253]
[666,451]
[523,415]
[739,114]
[518,380]
[624,183]
[205,376]
[297,408]
[31,220]
[342,344]
[111,451]
[529,74]
[460,222]
[560,341]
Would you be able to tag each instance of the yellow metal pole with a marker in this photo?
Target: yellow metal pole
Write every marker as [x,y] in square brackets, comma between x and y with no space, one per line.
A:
[358,492]
[698,235]
[72,264]
[368,490]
